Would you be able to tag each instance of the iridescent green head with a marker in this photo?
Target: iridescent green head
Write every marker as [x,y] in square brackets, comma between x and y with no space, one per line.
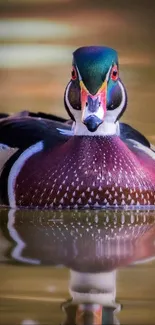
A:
[95,96]
[93,64]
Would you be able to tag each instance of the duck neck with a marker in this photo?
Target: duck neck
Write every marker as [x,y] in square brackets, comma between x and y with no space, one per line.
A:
[105,129]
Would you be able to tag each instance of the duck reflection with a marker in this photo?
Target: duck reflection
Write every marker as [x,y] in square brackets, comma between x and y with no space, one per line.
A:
[92,244]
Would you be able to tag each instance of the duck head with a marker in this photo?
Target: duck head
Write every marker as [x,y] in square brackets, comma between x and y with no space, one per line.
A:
[95,97]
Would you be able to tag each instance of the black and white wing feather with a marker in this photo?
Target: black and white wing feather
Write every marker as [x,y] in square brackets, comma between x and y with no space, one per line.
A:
[22,132]
[136,141]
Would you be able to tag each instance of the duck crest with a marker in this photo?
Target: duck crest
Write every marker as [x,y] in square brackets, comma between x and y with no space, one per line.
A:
[85,172]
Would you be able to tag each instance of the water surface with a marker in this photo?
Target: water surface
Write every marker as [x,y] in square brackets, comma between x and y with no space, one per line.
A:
[77,267]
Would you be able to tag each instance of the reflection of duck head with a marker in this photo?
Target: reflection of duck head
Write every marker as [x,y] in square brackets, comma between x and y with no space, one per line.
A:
[93,298]
[93,314]
[92,244]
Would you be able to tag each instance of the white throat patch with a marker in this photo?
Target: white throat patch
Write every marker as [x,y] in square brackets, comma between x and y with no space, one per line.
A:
[106,128]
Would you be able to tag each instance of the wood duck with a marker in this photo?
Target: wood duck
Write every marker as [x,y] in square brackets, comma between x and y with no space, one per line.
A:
[95,162]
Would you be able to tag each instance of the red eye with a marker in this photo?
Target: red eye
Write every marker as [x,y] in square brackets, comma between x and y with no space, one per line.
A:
[114,73]
[74,74]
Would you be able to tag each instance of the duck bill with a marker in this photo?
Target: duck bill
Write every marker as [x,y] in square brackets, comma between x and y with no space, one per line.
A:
[93,106]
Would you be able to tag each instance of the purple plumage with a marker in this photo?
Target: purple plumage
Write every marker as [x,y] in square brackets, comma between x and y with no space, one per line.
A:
[86,172]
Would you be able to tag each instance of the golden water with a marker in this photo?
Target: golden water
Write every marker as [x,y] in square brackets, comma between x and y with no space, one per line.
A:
[39,250]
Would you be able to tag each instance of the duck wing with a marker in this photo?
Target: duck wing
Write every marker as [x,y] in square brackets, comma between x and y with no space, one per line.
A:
[40,115]
[138,144]
[22,132]
[48,117]
[127,132]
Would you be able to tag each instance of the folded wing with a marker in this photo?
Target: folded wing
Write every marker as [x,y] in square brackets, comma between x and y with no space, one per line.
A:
[22,132]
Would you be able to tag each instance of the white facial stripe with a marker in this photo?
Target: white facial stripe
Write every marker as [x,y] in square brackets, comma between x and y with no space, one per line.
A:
[66,97]
[108,73]
[111,116]
[76,113]
[78,74]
